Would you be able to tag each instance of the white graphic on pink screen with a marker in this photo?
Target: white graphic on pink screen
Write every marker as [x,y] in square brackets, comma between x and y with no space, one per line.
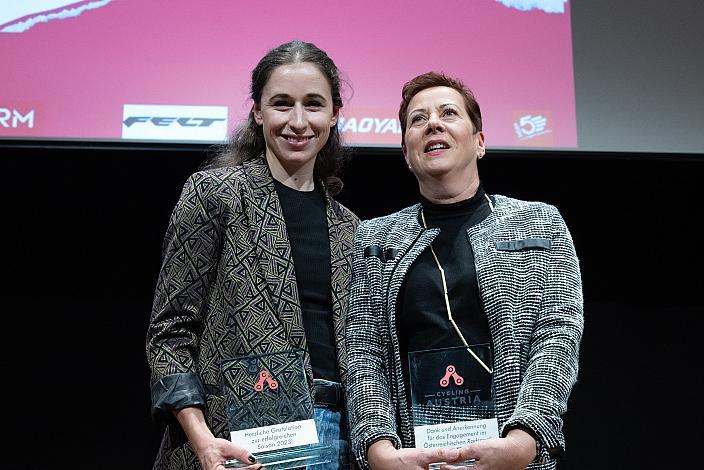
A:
[18,17]
[548,6]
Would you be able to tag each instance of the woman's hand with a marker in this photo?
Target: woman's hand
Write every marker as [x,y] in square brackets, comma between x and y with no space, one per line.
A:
[514,452]
[212,451]
[382,455]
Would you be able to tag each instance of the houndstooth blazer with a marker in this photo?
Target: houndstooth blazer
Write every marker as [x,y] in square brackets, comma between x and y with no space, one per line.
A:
[530,286]
[226,288]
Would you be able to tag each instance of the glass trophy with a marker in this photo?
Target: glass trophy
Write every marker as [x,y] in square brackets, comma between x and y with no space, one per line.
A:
[451,397]
[270,411]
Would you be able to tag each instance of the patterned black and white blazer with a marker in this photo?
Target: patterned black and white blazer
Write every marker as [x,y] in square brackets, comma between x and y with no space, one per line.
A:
[530,286]
[226,288]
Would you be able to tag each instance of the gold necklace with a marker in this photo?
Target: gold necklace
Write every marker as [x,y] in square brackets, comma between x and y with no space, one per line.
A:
[444,292]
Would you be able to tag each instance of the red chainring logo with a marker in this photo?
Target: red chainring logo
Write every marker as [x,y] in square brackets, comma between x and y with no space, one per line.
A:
[265,377]
[451,371]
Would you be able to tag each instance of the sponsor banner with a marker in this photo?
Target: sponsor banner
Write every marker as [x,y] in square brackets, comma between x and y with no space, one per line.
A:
[174,122]
[19,119]
[56,53]
[369,126]
[533,128]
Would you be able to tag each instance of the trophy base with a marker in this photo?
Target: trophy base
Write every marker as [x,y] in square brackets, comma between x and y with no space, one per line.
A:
[295,457]
[465,464]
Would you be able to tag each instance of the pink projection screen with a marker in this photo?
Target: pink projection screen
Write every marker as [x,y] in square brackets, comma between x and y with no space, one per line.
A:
[178,70]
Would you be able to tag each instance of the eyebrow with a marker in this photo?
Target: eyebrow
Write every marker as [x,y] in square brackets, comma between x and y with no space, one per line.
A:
[442,106]
[286,96]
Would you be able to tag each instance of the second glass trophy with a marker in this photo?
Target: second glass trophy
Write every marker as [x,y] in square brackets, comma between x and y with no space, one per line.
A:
[451,396]
[270,411]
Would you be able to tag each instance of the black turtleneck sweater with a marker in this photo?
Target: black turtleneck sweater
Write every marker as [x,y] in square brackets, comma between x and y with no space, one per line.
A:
[307,227]
[421,320]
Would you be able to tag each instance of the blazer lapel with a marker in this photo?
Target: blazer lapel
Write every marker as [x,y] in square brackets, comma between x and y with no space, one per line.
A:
[341,236]
[491,291]
[273,250]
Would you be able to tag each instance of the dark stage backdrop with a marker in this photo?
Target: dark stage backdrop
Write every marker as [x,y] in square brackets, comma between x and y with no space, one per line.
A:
[83,229]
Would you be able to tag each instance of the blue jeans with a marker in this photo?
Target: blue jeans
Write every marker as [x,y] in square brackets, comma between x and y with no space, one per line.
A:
[332,430]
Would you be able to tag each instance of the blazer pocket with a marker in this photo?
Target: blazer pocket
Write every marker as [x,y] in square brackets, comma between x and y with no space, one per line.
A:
[375,251]
[525,244]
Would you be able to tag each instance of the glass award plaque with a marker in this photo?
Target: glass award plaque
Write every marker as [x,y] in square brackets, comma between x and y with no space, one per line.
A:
[451,396]
[270,411]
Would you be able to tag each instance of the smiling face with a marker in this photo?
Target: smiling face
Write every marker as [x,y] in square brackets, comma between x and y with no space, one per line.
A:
[296,113]
[440,142]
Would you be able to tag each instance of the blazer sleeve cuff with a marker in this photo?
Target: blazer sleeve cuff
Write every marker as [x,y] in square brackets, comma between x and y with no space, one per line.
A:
[550,444]
[361,446]
[174,392]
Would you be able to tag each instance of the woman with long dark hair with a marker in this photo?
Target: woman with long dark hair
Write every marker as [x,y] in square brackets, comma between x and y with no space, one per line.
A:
[256,260]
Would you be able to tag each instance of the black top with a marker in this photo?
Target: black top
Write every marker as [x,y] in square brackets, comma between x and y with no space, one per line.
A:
[422,320]
[306,224]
